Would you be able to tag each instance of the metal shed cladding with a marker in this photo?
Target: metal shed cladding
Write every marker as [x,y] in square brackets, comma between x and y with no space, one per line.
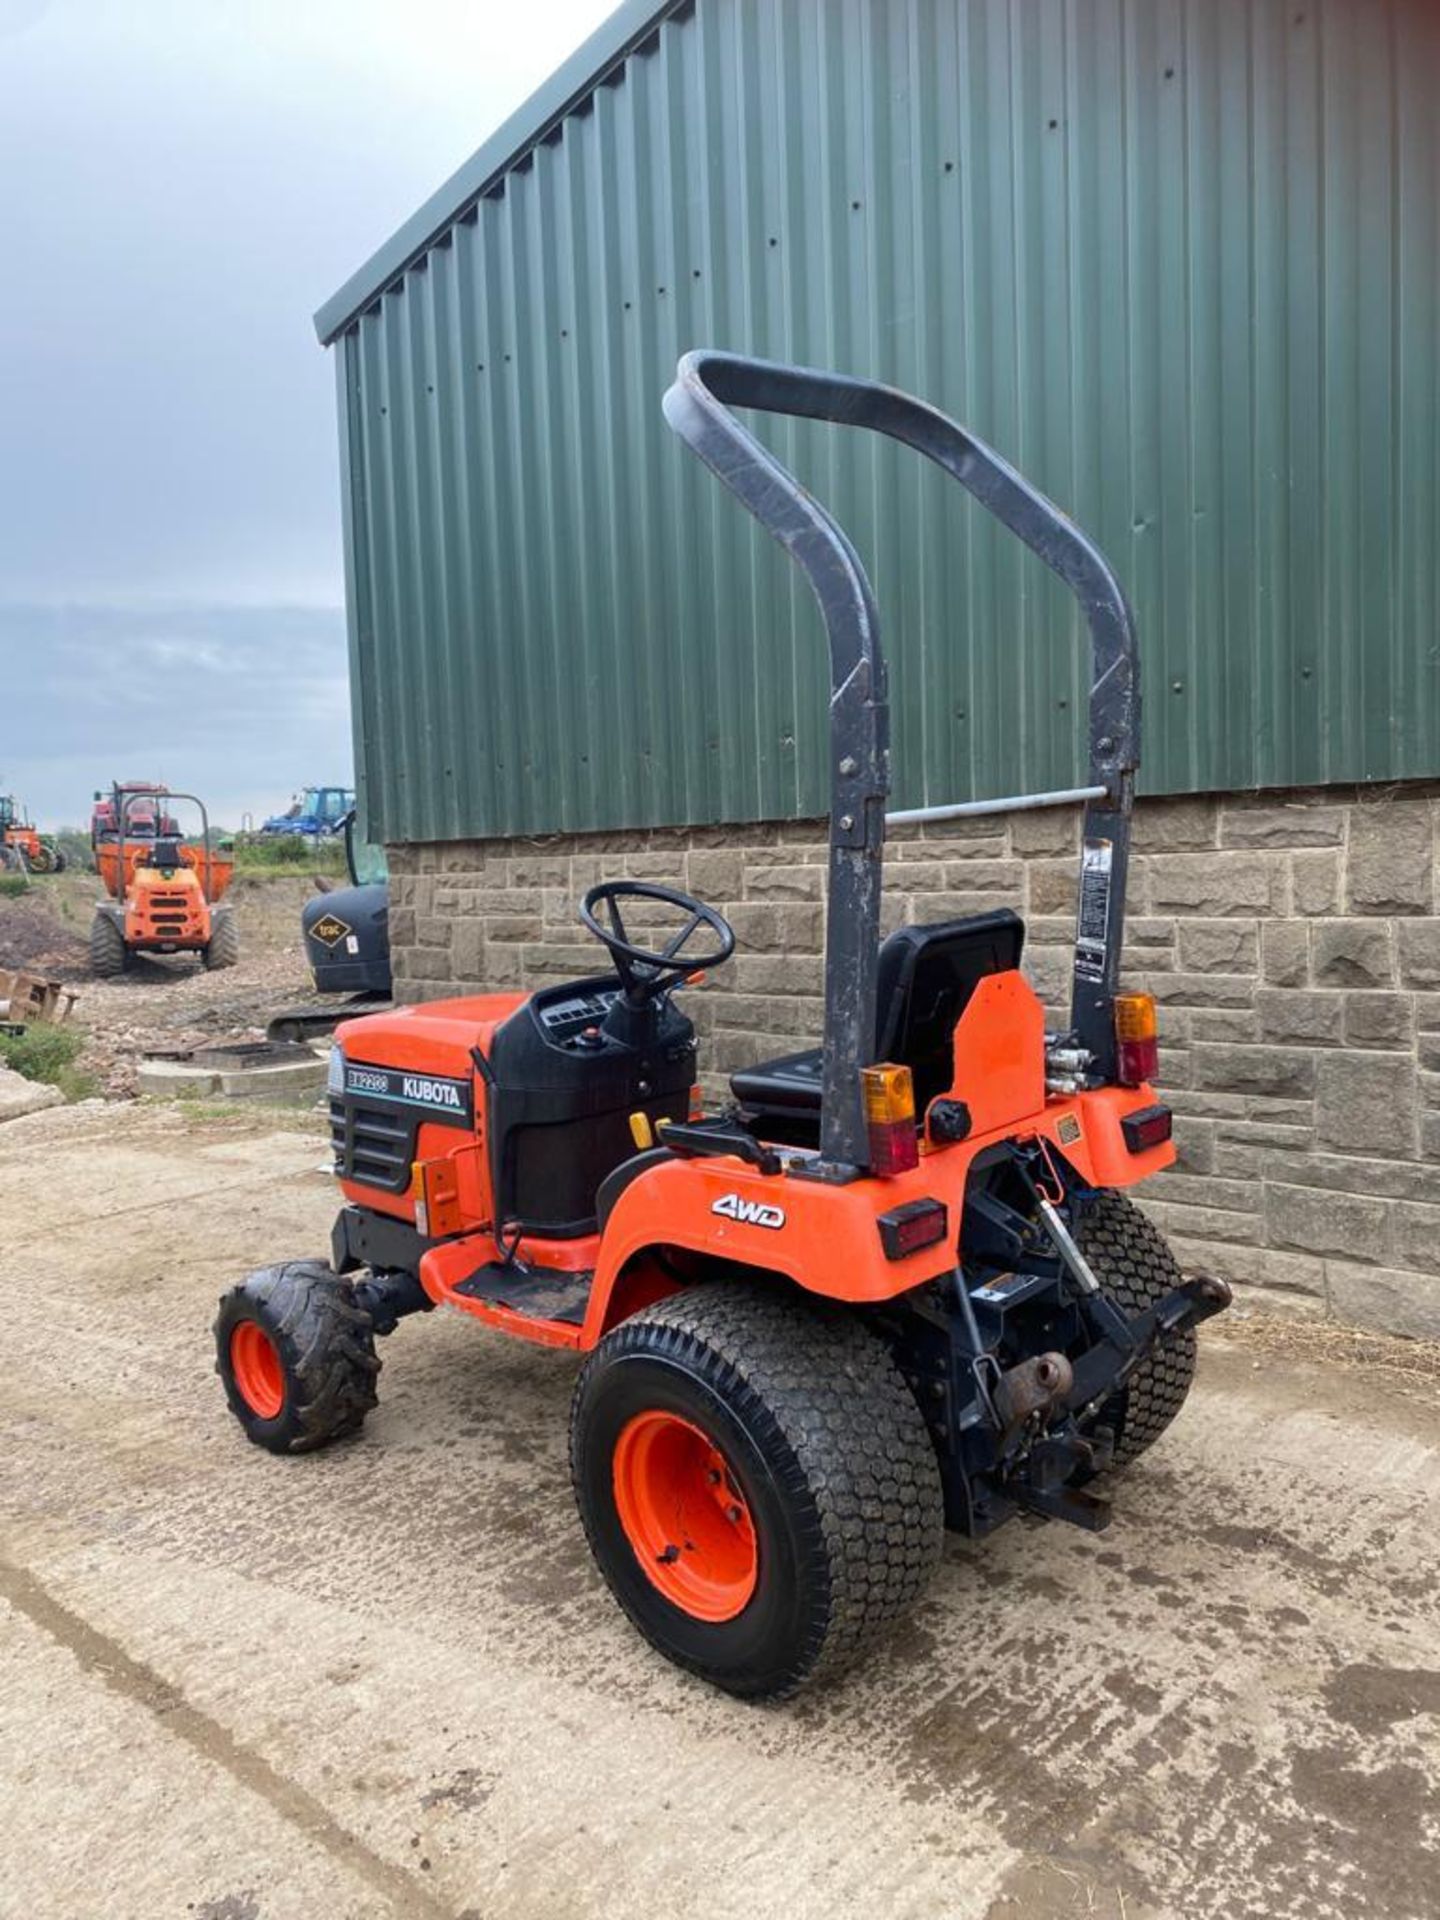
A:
[1177,259]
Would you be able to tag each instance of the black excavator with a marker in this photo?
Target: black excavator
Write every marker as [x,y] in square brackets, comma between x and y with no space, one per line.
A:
[346,931]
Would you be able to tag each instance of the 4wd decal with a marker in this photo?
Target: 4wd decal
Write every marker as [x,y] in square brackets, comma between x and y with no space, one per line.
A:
[451,1102]
[330,929]
[751,1213]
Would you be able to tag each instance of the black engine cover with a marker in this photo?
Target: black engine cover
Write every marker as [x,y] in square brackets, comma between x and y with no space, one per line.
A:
[563,1090]
[347,939]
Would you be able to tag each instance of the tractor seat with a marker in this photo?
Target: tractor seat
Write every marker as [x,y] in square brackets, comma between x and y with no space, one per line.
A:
[165,856]
[926,978]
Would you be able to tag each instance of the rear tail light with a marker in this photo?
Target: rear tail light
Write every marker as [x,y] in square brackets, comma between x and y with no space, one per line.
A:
[1136,1047]
[889,1095]
[921,1223]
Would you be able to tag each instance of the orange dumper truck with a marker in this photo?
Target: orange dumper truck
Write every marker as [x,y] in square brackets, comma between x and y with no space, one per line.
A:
[163,891]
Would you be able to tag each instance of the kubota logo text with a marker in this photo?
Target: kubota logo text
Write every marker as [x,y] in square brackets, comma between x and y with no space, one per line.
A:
[754,1213]
[435,1093]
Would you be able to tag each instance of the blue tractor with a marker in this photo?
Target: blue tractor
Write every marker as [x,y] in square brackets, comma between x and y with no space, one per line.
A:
[316,813]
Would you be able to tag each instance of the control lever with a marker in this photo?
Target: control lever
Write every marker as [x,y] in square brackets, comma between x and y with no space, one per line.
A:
[699,1139]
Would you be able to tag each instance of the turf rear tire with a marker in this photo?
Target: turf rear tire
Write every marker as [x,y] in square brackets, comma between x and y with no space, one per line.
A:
[224,947]
[826,1452]
[108,952]
[1133,1262]
[296,1356]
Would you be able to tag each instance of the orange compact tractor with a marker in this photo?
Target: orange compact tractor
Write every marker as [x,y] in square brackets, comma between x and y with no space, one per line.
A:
[897,1284]
[164,891]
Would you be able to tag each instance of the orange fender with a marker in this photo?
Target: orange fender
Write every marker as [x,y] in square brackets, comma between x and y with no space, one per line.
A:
[824,1238]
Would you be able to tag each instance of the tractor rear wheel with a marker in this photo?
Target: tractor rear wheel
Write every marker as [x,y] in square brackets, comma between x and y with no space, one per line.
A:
[1135,1266]
[224,947]
[108,953]
[296,1356]
[756,1483]
[43,859]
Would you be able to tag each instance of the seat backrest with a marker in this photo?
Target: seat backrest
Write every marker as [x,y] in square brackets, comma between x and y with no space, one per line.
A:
[166,855]
[927,975]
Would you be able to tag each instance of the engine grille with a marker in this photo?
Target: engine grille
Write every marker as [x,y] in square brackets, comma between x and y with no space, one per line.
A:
[170,911]
[374,1145]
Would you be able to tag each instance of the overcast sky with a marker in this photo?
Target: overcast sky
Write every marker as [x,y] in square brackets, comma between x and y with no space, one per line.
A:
[184,182]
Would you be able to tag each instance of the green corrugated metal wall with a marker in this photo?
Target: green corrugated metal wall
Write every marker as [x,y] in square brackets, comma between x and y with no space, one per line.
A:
[1177,259]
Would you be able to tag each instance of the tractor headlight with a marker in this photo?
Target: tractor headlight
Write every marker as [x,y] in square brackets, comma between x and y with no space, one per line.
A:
[335,1073]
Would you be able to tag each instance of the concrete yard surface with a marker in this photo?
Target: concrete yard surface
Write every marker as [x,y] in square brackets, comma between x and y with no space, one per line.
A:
[387,1680]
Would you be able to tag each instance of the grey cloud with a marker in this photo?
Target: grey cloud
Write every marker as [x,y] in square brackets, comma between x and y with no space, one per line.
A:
[238,704]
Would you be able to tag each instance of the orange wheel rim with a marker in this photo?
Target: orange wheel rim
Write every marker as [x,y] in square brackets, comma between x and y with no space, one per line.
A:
[685,1516]
[255,1363]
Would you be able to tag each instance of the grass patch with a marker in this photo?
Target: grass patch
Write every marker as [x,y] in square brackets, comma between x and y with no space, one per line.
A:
[48,1054]
[290,853]
[12,885]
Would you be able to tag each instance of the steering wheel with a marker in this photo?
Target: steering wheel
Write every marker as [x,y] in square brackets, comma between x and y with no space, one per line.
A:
[644,973]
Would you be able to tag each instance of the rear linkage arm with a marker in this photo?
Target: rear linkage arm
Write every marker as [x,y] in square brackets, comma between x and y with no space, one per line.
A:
[982,1412]
[1121,1343]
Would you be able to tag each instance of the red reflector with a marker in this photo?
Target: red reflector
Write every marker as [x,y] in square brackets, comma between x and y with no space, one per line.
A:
[1136,1062]
[1150,1127]
[920,1223]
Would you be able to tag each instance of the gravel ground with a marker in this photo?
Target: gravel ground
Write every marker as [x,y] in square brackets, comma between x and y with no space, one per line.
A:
[163,1002]
[386,1680]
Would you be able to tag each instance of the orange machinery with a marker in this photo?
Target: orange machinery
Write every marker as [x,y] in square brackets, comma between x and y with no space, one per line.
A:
[21,844]
[896,1284]
[164,891]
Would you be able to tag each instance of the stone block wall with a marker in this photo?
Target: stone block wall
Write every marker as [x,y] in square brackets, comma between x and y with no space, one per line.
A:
[1292,941]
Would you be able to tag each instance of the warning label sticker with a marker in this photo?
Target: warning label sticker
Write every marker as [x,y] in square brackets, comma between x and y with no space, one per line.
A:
[1004,1284]
[330,929]
[1096,861]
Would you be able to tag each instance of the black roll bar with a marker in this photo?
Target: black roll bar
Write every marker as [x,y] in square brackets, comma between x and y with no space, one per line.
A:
[707,384]
[122,814]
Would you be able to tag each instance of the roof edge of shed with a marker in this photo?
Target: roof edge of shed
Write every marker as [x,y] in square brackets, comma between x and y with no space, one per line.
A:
[612,42]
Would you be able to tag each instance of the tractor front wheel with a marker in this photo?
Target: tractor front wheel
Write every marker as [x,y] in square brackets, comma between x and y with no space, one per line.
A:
[108,953]
[224,947]
[1134,1264]
[296,1356]
[756,1484]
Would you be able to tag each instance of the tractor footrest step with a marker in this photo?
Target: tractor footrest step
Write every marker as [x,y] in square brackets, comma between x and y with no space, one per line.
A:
[538,1294]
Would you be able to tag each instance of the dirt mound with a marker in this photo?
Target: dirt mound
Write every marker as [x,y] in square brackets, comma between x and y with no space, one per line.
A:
[33,936]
